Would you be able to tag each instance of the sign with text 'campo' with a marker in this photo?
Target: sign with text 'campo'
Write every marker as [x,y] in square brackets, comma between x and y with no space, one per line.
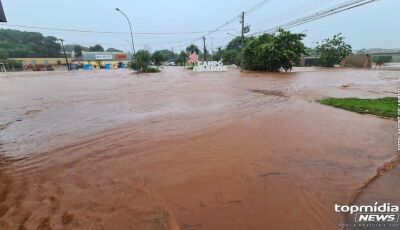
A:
[210,66]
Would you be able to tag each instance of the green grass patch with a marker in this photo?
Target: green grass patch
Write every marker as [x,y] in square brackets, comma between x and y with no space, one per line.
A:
[384,107]
[151,69]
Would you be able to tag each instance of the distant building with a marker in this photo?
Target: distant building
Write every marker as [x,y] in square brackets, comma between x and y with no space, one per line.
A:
[396,59]
[42,61]
[100,59]
[308,61]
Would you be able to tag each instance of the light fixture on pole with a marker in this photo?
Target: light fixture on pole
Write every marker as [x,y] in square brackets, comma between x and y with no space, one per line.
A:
[130,27]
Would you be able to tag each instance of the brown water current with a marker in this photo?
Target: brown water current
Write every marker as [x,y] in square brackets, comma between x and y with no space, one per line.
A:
[184,150]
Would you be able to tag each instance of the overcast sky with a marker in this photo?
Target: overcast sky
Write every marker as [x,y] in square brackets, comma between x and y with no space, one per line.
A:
[370,26]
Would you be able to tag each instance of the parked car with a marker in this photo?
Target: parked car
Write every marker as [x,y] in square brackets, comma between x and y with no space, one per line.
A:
[171,64]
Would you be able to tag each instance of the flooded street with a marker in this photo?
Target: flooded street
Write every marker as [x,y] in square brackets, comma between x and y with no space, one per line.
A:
[184,150]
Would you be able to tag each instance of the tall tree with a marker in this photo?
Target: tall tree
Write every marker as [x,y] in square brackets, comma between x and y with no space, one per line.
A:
[158,58]
[167,55]
[113,50]
[192,48]
[182,58]
[96,48]
[332,51]
[21,44]
[78,50]
[271,52]
[142,61]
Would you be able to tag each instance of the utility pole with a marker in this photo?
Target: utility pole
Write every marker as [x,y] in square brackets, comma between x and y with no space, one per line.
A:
[205,49]
[242,42]
[65,55]
[212,45]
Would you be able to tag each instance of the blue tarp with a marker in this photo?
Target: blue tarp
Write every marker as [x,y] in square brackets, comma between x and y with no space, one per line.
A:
[88,67]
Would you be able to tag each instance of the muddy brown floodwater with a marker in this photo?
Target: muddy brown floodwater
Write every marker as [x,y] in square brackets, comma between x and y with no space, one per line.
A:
[184,150]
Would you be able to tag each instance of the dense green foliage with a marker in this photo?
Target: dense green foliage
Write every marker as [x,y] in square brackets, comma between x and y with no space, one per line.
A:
[311,52]
[167,55]
[230,57]
[150,69]
[192,48]
[157,57]
[18,44]
[78,50]
[113,50]
[17,64]
[333,51]
[142,62]
[182,58]
[231,54]
[96,48]
[385,107]
[271,52]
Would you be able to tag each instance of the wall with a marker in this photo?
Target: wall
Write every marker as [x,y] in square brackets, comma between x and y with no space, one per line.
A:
[41,61]
[308,61]
[357,60]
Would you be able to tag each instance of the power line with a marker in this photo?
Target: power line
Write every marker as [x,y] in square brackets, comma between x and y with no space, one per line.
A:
[256,7]
[319,15]
[297,10]
[108,32]
[234,19]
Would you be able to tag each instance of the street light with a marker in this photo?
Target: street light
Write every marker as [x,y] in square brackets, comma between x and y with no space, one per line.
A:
[130,27]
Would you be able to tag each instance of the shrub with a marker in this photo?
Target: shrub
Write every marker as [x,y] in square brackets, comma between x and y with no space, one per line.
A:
[230,57]
[142,61]
[158,58]
[333,51]
[17,64]
[270,52]
[150,69]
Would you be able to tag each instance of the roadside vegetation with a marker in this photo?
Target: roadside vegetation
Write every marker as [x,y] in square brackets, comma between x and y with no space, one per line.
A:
[332,51]
[273,52]
[142,62]
[384,107]
[21,44]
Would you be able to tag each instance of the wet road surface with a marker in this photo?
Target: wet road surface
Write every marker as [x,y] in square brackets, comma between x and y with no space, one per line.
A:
[184,150]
